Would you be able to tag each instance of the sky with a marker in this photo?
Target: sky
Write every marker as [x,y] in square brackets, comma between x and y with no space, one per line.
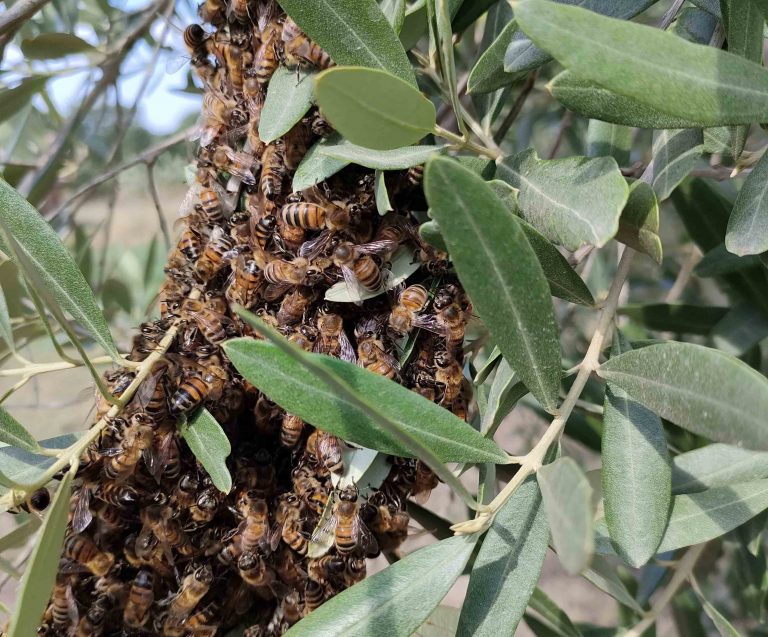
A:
[161,109]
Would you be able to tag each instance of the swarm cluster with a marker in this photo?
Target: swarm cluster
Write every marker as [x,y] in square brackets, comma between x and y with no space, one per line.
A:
[152,546]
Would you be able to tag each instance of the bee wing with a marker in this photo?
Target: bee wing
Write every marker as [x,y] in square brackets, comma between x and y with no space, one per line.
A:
[421,497]
[72,612]
[208,134]
[347,350]
[187,206]
[175,64]
[310,249]
[354,288]
[111,452]
[147,388]
[388,359]
[81,515]
[324,529]
[385,246]
[274,291]
[430,323]
[272,538]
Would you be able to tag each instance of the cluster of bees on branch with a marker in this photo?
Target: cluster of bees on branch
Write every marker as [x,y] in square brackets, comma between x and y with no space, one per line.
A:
[152,546]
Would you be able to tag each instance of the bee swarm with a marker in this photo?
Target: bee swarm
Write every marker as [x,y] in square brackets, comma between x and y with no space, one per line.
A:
[152,547]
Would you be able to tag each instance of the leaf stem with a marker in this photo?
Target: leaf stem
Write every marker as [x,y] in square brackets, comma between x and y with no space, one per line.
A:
[533,460]
[42,368]
[464,143]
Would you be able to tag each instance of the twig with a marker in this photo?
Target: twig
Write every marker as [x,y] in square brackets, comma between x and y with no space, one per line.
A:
[533,460]
[684,275]
[156,200]
[565,124]
[670,15]
[20,12]
[43,368]
[517,107]
[684,569]
[148,156]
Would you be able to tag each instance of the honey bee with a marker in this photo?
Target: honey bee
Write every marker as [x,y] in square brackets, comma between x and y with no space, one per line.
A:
[291,430]
[304,337]
[309,489]
[290,609]
[279,272]
[318,216]
[255,533]
[300,50]
[205,507]
[358,267]
[424,481]
[411,301]
[193,589]
[63,606]
[213,11]
[290,519]
[83,550]
[262,479]
[236,163]
[254,570]
[273,169]
[449,376]
[121,496]
[36,502]
[290,237]
[204,622]
[326,569]
[215,255]
[218,115]
[332,339]
[158,521]
[186,491]
[235,58]
[288,569]
[350,533]
[123,460]
[267,59]
[371,353]
[198,387]
[213,325]
[92,623]
[415,175]
[452,323]
[314,595]
[294,306]
[140,600]
[211,206]
[264,229]
[326,449]
[194,39]
[245,282]
[117,382]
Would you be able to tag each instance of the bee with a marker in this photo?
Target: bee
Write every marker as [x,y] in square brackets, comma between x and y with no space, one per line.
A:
[424,481]
[204,623]
[309,489]
[304,337]
[157,521]
[326,569]
[264,229]
[267,59]
[186,491]
[331,215]
[198,387]
[205,507]
[371,353]
[314,595]
[288,569]
[350,533]
[245,282]
[211,322]
[326,449]
[238,164]
[255,533]
[290,237]
[218,115]
[290,608]
[294,306]
[235,58]
[332,339]
[254,570]
[123,460]
[452,323]
[212,208]
[117,382]
[63,605]
[213,11]
[410,302]
[273,169]
[92,623]
[140,600]
[36,502]
[279,272]
[83,550]
[262,478]
[415,175]
[300,50]
[291,523]
[121,496]
[358,267]
[194,39]
[290,430]
[193,589]
[215,255]
[449,376]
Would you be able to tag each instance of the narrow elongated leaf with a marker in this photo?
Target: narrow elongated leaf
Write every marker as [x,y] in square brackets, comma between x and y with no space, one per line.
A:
[507,566]
[24,467]
[289,97]
[639,221]
[315,166]
[564,283]
[674,156]
[12,432]
[383,204]
[50,46]
[209,443]
[744,28]
[566,494]
[12,100]
[40,574]
[609,140]
[700,389]
[373,108]
[396,159]
[488,74]
[748,226]
[19,535]
[285,380]
[552,615]
[394,10]
[444,41]
[691,81]
[716,465]
[741,329]
[500,271]
[6,331]
[719,261]
[503,395]
[700,517]
[574,201]
[675,317]
[53,265]
[441,623]
[724,627]
[603,575]
[353,32]
[393,602]
[523,55]
[593,100]
[636,474]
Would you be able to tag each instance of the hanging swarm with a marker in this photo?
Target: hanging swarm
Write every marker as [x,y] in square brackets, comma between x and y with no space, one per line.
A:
[152,546]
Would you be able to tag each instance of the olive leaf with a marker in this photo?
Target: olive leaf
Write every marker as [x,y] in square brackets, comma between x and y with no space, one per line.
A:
[209,443]
[289,97]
